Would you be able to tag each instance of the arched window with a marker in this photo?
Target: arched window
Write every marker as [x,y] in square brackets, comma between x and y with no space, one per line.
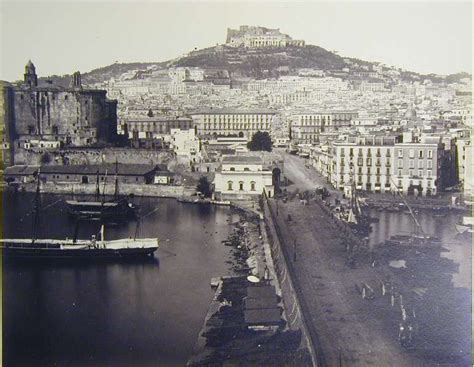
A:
[229,185]
[246,169]
[241,185]
[252,186]
[232,168]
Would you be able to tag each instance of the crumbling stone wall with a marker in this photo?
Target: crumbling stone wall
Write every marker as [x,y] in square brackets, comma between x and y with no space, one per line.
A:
[79,117]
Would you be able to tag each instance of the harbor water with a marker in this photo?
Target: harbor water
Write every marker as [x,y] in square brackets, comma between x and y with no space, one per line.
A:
[112,314]
[144,313]
[441,225]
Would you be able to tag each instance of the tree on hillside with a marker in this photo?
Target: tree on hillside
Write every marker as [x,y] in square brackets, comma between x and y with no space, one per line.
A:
[260,141]
[204,187]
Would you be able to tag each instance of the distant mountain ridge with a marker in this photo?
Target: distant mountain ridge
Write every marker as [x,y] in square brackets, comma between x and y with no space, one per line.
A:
[248,62]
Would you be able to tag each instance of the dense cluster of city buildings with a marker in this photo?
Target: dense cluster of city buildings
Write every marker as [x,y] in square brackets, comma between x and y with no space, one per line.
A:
[366,124]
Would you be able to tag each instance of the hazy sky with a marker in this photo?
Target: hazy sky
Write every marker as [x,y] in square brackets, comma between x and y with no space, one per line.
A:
[63,36]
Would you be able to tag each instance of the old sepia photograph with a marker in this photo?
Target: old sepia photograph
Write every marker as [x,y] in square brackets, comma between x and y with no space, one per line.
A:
[236,183]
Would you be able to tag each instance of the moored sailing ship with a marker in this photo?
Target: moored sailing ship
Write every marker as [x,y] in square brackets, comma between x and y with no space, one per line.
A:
[358,219]
[119,208]
[39,249]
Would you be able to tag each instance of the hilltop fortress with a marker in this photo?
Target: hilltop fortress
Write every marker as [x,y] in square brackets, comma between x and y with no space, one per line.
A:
[256,37]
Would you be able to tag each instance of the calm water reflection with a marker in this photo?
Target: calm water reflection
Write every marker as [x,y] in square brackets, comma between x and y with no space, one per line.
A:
[140,314]
[440,226]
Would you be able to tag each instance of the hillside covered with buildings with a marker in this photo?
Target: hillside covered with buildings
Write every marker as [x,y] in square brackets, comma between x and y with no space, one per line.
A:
[400,130]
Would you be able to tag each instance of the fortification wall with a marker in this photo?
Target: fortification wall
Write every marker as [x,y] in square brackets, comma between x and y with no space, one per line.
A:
[125,189]
[92,156]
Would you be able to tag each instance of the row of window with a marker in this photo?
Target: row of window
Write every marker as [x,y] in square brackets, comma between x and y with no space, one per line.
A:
[429,164]
[411,153]
[378,172]
[387,183]
[237,118]
[378,152]
[241,186]
[233,169]
[236,126]
[360,162]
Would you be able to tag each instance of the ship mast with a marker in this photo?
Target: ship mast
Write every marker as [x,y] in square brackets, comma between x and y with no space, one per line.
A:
[103,190]
[97,188]
[116,179]
[415,221]
[36,218]
[353,214]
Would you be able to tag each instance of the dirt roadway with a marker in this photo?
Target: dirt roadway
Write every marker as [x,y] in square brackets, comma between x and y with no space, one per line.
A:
[350,330]
[302,177]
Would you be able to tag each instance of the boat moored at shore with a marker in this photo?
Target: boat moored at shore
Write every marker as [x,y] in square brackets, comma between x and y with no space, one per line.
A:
[78,249]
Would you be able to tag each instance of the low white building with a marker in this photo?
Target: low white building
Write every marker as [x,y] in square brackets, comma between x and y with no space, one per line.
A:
[241,177]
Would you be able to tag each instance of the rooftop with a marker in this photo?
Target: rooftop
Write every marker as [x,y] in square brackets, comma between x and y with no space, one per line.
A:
[263,316]
[244,159]
[261,292]
[106,168]
[21,170]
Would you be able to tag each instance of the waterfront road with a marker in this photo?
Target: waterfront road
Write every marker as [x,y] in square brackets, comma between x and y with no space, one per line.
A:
[349,330]
[303,176]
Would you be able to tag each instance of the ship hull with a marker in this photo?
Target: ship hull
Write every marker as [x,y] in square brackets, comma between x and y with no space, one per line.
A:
[79,254]
[80,249]
[97,210]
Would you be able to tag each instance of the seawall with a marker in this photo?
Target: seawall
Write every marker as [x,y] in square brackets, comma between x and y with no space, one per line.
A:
[92,156]
[125,189]
[289,292]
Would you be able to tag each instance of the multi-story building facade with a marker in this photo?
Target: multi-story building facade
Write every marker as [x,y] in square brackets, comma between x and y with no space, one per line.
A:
[468,183]
[225,122]
[463,150]
[385,164]
[306,127]
[155,126]
[366,161]
[186,145]
[417,167]
[371,86]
